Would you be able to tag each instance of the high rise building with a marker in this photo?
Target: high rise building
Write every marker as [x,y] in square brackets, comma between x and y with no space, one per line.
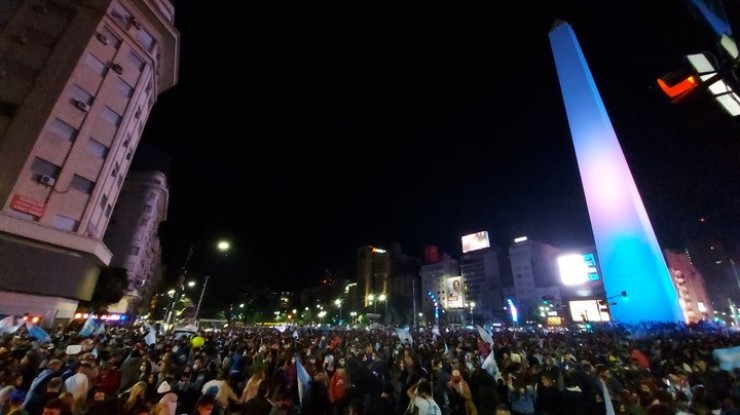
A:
[78,80]
[692,294]
[132,234]
[434,276]
[480,269]
[373,269]
[534,274]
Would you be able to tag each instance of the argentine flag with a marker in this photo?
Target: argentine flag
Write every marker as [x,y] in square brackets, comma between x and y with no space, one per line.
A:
[90,327]
[38,333]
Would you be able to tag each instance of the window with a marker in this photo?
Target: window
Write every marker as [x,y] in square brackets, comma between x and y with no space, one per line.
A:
[103,201]
[45,168]
[97,148]
[80,95]
[115,170]
[96,65]
[66,224]
[82,184]
[63,130]
[121,15]
[145,39]
[108,37]
[134,250]
[108,210]
[111,116]
[143,221]
[148,208]
[135,61]
[125,89]
[150,196]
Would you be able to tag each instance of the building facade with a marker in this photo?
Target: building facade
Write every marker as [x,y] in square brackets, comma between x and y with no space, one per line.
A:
[78,80]
[534,274]
[481,275]
[133,237]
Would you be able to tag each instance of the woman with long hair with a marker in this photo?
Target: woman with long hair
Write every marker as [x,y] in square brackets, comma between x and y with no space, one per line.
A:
[250,389]
[136,398]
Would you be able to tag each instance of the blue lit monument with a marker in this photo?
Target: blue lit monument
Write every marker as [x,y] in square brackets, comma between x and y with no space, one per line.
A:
[628,252]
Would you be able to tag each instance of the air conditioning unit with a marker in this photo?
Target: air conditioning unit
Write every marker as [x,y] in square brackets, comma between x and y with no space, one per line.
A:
[103,39]
[117,68]
[47,180]
[82,105]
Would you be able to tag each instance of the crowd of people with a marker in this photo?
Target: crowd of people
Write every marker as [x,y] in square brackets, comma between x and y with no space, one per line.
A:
[653,369]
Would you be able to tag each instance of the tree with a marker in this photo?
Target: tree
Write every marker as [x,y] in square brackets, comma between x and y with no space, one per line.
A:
[111,286]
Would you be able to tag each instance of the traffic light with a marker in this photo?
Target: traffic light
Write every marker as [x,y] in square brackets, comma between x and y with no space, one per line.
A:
[678,84]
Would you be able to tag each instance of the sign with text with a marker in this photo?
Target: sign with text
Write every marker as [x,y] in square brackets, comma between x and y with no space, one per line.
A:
[27,205]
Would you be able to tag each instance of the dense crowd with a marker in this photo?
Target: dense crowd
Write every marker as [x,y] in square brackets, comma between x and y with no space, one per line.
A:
[653,369]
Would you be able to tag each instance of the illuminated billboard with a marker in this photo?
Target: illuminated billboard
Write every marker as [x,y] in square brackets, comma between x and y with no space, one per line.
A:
[577,269]
[588,310]
[455,293]
[475,241]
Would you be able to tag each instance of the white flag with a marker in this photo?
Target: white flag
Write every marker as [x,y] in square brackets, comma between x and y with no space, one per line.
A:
[7,325]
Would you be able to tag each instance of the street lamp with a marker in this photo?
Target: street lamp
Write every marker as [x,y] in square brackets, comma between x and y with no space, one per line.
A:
[222,246]
[338,303]
[472,307]
[384,299]
[371,298]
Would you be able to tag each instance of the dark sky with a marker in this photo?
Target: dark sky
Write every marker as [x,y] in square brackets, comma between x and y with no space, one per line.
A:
[303,130]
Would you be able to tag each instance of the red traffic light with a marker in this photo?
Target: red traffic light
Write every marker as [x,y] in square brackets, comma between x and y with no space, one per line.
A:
[676,88]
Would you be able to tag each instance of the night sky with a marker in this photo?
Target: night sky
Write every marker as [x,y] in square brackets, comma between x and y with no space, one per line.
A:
[303,130]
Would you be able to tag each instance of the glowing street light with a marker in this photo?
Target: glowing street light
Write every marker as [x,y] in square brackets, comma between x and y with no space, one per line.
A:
[338,303]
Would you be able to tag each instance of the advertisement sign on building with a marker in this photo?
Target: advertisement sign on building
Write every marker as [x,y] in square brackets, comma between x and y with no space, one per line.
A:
[475,241]
[455,292]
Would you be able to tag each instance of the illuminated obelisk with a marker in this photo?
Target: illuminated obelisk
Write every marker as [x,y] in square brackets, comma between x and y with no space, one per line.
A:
[629,255]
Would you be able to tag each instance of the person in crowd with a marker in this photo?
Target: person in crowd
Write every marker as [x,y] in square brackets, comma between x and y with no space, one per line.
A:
[250,389]
[11,384]
[259,404]
[39,383]
[385,404]
[52,390]
[205,405]
[420,395]
[460,386]
[135,398]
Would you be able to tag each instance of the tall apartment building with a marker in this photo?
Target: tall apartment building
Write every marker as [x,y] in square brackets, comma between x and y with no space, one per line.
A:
[534,272]
[132,234]
[435,272]
[481,273]
[373,269]
[78,79]
[691,289]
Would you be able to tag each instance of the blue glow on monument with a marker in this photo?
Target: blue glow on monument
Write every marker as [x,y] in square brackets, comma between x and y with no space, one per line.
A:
[631,259]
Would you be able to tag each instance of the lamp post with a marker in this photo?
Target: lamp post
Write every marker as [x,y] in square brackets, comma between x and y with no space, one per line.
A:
[472,318]
[338,303]
[384,299]
[222,246]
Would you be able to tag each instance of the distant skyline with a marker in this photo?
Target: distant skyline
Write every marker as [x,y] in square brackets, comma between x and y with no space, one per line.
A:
[334,126]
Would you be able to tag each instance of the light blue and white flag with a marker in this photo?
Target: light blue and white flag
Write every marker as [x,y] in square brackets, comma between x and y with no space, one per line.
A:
[490,366]
[100,330]
[91,325]
[37,333]
[150,336]
[403,335]
[7,325]
[728,358]
[485,336]
[303,378]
